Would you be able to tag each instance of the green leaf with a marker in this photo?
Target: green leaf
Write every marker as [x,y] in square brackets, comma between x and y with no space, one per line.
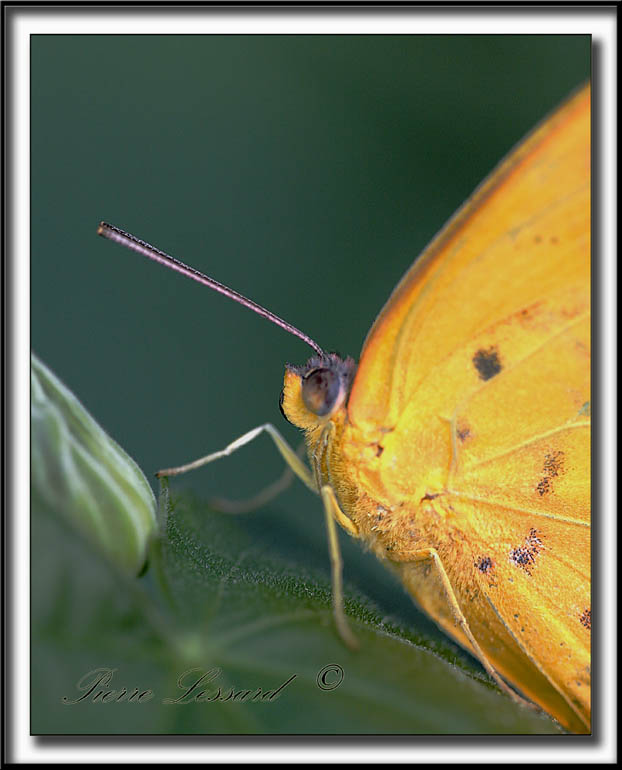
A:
[79,472]
[249,621]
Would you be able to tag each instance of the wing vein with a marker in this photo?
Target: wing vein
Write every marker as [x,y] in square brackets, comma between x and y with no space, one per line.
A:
[530,655]
[516,509]
[523,444]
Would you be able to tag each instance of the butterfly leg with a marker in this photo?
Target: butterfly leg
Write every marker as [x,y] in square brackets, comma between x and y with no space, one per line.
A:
[430,554]
[287,453]
[263,497]
[333,513]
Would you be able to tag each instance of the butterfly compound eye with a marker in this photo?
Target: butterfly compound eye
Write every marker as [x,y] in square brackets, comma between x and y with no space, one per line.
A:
[322,391]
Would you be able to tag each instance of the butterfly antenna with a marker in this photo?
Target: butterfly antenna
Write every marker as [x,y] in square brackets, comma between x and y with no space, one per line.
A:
[130,241]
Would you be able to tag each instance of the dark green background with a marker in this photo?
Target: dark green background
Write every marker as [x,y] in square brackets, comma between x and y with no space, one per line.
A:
[305,171]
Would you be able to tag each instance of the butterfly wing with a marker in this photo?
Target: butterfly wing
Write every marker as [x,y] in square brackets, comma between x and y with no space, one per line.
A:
[532,618]
[523,234]
[474,383]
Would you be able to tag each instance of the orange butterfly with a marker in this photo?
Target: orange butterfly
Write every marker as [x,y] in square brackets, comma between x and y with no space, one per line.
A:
[462,455]
[459,450]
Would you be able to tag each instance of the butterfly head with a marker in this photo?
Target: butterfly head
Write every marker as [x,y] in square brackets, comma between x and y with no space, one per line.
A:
[315,392]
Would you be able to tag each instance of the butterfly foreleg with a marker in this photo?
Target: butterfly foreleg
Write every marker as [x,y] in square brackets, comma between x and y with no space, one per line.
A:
[431,554]
[291,458]
[261,498]
[333,513]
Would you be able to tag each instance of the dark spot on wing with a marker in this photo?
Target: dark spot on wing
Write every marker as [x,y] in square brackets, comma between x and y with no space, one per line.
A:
[553,463]
[554,239]
[484,564]
[463,431]
[544,487]
[379,450]
[553,467]
[487,363]
[524,556]
[537,239]
[586,618]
